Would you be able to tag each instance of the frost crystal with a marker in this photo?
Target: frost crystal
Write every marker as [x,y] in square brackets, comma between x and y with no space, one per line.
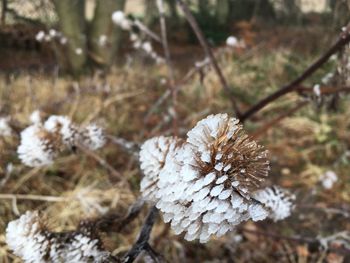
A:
[204,185]
[328,179]
[278,200]
[62,125]
[38,147]
[35,117]
[30,239]
[93,137]
[231,41]
[5,128]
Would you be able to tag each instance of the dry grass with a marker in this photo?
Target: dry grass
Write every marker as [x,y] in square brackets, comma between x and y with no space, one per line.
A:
[302,147]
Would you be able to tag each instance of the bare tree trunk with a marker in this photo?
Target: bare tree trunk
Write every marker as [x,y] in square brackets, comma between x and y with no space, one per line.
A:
[151,13]
[3,11]
[71,15]
[104,37]
[222,11]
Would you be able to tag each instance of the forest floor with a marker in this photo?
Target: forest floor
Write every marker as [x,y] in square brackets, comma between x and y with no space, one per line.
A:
[302,146]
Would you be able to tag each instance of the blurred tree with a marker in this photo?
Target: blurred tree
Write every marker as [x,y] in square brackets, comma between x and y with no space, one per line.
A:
[222,11]
[99,44]
[104,36]
[71,15]
[151,13]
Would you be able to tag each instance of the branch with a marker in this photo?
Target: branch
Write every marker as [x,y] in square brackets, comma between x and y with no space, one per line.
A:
[342,41]
[192,21]
[142,241]
[168,62]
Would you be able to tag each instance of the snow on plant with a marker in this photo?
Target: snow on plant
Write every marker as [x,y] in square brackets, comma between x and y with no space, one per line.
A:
[328,179]
[207,184]
[41,142]
[233,42]
[51,35]
[30,238]
[138,43]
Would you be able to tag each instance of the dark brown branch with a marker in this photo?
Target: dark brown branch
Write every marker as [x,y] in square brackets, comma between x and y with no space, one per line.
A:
[192,21]
[143,238]
[292,86]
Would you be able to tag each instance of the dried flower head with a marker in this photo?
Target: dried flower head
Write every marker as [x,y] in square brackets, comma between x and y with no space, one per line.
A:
[27,237]
[38,147]
[279,201]
[205,184]
[30,239]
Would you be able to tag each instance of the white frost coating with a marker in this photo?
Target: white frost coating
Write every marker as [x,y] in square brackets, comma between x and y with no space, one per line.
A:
[37,147]
[5,128]
[231,41]
[328,179]
[35,117]
[119,18]
[33,243]
[24,236]
[40,36]
[93,137]
[63,126]
[279,201]
[198,186]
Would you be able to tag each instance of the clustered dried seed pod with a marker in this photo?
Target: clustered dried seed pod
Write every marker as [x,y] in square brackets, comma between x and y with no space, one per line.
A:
[31,240]
[205,185]
[41,142]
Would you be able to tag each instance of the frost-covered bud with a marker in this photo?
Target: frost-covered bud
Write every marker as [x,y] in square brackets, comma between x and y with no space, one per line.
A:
[63,40]
[5,128]
[63,125]
[40,36]
[30,239]
[36,117]
[53,33]
[27,237]
[232,41]
[147,47]
[152,158]
[38,147]
[328,179]
[118,18]
[205,184]
[279,201]
[93,137]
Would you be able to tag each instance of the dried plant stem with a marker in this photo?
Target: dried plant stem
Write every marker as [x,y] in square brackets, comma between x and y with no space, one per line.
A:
[276,120]
[192,21]
[293,85]
[165,45]
[147,31]
[46,198]
[102,162]
[142,241]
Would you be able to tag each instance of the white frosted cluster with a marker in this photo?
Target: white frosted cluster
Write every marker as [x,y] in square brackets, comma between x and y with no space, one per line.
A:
[278,200]
[51,35]
[37,147]
[41,142]
[119,18]
[5,128]
[93,137]
[204,186]
[328,179]
[29,239]
[25,236]
[232,42]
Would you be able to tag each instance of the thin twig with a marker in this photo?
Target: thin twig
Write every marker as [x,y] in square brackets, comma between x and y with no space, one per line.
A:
[293,85]
[46,198]
[276,120]
[147,31]
[143,238]
[192,21]
[102,162]
[168,63]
